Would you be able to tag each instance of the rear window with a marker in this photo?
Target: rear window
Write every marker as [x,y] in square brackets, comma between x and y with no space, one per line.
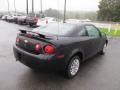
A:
[31,15]
[55,29]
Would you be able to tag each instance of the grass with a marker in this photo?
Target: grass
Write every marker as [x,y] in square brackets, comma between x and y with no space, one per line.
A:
[111,33]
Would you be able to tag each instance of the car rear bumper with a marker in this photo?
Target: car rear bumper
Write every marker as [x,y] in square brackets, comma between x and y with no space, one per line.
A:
[31,22]
[40,61]
[22,21]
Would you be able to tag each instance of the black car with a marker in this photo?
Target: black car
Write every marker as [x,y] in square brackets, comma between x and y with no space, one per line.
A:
[10,18]
[21,20]
[60,46]
[1,16]
[15,18]
[31,20]
[4,17]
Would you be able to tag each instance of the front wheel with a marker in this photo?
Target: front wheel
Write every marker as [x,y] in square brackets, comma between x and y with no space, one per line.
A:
[102,52]
[20,23]
[73,67]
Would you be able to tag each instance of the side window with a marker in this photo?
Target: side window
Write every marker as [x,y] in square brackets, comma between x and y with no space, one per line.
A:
[82,32]
[92,31]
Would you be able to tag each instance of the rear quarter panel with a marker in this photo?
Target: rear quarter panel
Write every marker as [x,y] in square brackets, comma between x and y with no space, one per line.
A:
[72,45]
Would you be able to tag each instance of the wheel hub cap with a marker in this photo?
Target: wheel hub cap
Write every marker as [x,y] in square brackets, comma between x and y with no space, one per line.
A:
[74,67]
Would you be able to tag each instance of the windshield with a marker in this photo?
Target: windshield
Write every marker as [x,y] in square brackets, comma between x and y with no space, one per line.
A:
[55,29]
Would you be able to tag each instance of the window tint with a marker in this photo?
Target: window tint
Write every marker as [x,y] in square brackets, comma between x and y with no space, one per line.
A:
[78,31]
[56,29]
[82,32]
[92,31]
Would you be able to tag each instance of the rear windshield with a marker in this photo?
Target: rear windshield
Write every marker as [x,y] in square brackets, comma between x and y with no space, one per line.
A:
[55,29]
[31,15]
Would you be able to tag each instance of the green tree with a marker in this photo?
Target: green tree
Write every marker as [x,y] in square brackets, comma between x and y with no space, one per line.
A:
[82,15]
[109,10]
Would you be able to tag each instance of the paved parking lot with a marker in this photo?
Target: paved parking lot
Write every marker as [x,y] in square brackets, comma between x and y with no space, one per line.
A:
[97,73]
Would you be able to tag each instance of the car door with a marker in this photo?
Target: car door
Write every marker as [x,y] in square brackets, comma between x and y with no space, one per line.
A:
[94,38]
[85,42]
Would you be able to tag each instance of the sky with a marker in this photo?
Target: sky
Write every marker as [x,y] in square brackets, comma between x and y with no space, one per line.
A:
[72,5]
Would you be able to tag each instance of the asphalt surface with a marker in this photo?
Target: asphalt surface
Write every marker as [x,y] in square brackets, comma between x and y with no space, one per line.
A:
[97,73]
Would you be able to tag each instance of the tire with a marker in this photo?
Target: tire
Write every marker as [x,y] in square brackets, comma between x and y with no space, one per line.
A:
[19,22]
[73,67]
[102,52]
[31,25]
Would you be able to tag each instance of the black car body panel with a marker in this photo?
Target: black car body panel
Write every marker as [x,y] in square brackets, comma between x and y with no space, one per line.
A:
[65,46]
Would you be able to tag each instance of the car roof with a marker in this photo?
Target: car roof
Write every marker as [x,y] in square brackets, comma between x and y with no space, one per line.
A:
[74,24]
[70,27]
[78,24]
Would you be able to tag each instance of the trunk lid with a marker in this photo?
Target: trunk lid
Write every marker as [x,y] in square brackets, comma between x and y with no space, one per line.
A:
[29,39]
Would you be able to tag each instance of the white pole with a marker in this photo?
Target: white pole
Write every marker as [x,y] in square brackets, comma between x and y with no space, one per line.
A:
[109,27]
[15,7]
[27,7]
[64,12]
[8,6]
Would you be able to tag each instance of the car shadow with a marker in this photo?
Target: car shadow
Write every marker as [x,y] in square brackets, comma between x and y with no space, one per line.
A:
[47,80]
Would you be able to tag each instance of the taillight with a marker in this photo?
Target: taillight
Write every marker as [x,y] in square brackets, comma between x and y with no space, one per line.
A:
[37,47]
[49,49]
[35,19]
[17,40]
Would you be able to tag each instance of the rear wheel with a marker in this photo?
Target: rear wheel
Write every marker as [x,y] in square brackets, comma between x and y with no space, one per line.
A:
[73,67]
[31,25]
[20,22]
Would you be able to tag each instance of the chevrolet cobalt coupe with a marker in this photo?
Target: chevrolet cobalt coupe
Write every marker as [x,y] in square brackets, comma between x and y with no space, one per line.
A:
[60,46]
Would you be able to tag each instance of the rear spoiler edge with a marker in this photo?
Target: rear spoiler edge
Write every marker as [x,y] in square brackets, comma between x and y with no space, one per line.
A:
[25,31]
[22,31]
